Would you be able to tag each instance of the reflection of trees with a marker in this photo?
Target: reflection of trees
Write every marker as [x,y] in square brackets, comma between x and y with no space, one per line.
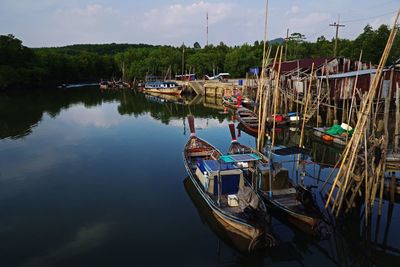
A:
[137,105]
[21,111]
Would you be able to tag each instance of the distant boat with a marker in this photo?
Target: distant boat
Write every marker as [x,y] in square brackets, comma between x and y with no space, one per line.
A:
[218,77]
[171,88]
[295,203]
[248,119]
[185,77]
[232,102]
[222,186]
[105,84]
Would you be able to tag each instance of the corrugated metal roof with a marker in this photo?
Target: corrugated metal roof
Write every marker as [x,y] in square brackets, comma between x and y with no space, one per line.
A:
[351,74]
[306,63]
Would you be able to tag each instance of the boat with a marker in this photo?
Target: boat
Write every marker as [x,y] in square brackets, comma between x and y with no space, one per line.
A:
[248,119]
[231,102]
[221,184]
[104,84]
[162,87]
[296,203]
[337,134]
[248,103]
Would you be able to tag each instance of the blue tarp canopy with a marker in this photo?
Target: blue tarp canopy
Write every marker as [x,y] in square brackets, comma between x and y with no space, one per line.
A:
[240,158]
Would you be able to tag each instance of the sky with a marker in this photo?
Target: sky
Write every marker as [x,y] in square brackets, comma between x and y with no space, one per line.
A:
[48,23]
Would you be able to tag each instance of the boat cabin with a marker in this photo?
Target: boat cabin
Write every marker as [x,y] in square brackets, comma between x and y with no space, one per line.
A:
[161,85]
[210,171]
[279,177]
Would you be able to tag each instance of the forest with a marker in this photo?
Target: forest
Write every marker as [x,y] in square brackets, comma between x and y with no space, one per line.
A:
[22,67]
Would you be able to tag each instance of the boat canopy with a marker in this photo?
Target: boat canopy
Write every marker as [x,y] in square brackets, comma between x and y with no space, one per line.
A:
[240,158]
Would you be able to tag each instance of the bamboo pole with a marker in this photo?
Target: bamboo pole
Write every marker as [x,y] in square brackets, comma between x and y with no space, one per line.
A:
[366,178]
[386,141]
[354,87]
[306,106]
[276,97]
[263,107]
[264,49]
[352,146]
[396,130]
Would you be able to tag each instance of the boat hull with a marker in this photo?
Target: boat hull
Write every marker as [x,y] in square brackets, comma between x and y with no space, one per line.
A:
[166,91]
[232,224]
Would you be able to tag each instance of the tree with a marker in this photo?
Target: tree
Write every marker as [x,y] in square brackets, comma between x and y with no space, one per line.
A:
[196,45]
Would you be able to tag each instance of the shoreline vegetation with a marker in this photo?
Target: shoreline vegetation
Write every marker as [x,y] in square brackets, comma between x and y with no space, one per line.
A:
[22,67]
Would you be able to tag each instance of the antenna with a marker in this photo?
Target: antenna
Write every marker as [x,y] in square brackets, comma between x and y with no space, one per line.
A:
[207,26]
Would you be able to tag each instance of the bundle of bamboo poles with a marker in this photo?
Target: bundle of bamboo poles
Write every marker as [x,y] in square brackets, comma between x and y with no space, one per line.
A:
[350,175]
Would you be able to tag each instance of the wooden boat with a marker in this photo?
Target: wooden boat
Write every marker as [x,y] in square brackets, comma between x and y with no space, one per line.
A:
[329,138]
[248,119]
[248,103]
[231,102]
[233,239]
[104,84]
[222,186]
[296,203]
[171,88]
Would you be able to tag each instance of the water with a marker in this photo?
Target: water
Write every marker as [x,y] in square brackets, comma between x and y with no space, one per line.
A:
[91,178]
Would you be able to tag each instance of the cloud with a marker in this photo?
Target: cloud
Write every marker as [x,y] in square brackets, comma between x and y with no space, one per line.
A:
[101,117]
[293,10]
[177,23]
[85,240]
[310,23]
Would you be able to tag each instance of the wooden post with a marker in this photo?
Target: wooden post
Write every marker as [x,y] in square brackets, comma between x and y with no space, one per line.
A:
[276,97]
[306,106]
[386,142]
[396,130]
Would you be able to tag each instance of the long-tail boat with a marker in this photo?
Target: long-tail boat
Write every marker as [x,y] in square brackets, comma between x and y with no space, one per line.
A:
[249,120]
[295,203]
[222,186]
[161,87]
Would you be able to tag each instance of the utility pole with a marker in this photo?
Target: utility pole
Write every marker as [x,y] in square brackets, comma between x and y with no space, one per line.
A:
[183,59]
[207,26]
[337,25]
[286,40]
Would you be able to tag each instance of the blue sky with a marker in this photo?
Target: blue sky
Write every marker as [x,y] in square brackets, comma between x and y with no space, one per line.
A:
[41,23]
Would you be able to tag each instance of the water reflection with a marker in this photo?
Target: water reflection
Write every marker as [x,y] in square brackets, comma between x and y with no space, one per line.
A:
[90,176]
[21,112]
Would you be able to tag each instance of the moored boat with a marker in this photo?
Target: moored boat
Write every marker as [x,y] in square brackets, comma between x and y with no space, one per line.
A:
[232,102]
[222,186]
[296,203]
[248,119]
[171,88]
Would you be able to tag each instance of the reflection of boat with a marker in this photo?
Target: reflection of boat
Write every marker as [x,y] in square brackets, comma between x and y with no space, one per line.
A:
[277,189]
[222,186]
[171,88]
[163,98]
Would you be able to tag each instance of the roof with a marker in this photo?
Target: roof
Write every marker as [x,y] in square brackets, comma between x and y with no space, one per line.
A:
[240,158]
[215,165]
[351,74]
[306,63]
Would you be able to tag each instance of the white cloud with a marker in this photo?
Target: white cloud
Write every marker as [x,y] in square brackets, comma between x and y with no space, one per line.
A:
[293,10]
[101,117]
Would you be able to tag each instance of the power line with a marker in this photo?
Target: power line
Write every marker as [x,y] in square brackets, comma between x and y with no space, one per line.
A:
[372,17]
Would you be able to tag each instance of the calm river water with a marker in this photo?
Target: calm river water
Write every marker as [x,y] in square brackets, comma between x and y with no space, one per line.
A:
[91,178]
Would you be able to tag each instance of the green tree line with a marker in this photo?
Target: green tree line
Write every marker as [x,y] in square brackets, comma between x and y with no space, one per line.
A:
[21,66]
